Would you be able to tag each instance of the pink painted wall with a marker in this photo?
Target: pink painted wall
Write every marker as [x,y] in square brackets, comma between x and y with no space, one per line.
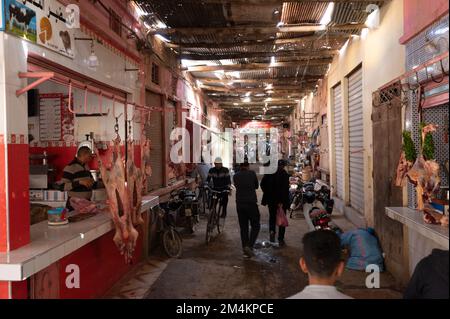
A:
[419,14]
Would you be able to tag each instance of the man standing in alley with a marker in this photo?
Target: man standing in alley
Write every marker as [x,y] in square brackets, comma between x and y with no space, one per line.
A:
[246,184]
[276,195]
[221,181]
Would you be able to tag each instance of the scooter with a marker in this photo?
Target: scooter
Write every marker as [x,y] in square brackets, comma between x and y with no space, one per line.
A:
[317,215]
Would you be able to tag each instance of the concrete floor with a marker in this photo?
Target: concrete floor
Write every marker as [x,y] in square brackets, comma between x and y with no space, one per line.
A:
[219,271]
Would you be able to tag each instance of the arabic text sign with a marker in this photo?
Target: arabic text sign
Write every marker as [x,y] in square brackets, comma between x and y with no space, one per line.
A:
[42,22]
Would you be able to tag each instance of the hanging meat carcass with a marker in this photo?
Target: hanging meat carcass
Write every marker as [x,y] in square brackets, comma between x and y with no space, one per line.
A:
[145,152]
[135,183]
[425,177]
[120,203]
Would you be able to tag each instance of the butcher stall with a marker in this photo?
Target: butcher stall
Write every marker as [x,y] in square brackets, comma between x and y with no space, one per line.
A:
[412,110]
[53,104]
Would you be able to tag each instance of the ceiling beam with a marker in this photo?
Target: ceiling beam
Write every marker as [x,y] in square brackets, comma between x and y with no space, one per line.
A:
[258,66]
[221,45]
[308,78]
[236,30]
[249,55]
[280,89]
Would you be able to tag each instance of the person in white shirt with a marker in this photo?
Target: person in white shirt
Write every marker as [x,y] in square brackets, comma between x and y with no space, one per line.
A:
[322,261]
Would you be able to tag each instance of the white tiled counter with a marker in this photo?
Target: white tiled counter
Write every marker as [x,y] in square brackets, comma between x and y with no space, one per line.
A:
[49,243]
[413,219]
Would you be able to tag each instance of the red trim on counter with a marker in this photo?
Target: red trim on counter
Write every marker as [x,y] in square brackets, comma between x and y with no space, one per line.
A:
[3,211]
[101,266]
[19,289]
[4,290]
[19,199]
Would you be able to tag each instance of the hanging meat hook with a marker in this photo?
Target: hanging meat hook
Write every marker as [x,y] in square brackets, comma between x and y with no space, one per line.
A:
[70,98]
[85,101]
[114,108]
[443,74]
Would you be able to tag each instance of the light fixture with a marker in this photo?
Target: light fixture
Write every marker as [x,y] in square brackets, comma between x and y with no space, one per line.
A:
[373,19]
[327,16]
[247,100]
[248,94]
[92,60]
[272,61]
[280,24]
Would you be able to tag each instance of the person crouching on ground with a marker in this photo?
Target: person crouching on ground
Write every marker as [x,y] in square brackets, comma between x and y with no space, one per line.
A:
[246,184]
[322,261]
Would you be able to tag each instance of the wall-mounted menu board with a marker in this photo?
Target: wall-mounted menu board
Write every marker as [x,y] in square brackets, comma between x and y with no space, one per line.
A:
[56,123]
[44,22]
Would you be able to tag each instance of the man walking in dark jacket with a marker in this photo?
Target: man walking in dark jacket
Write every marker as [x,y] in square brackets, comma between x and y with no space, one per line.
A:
[276,194]
[246,184]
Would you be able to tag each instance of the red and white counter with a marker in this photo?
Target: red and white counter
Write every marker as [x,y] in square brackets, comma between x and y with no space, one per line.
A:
[41,267]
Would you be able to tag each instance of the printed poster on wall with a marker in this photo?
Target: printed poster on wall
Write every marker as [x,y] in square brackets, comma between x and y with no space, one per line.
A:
[2,16]
[41,21]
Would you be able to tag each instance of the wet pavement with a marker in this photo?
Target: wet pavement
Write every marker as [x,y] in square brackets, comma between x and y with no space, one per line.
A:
[219,270]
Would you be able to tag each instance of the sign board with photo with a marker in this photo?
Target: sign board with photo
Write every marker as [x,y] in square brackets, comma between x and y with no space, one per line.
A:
[45,22]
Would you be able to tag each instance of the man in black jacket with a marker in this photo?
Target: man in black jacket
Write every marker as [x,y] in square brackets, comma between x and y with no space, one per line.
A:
[246,184]
[221,180]
[430,278]
[276,194]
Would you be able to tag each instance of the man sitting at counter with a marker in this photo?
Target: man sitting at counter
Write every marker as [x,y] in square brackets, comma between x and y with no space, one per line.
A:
[77,178]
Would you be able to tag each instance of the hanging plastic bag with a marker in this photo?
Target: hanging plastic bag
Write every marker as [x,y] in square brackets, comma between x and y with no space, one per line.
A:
[282,220]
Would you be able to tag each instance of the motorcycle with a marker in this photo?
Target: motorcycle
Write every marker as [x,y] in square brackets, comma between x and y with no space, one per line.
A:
[318,209]
[183,206]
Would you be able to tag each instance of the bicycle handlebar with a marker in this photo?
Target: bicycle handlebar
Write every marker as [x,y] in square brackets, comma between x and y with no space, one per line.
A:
[216,191]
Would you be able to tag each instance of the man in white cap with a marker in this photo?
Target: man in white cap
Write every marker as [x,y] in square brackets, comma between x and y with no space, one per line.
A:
[221,180]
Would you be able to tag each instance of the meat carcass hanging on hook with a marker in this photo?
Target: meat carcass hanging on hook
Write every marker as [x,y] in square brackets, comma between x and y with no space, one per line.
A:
[120,203]
[135,181]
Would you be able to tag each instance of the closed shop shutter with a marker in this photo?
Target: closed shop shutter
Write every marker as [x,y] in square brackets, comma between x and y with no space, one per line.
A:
[355,128]
[338,141]
[170,125]
[156,138]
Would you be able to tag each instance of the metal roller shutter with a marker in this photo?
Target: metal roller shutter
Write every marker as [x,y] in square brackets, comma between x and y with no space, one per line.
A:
[356,143]
[156,138]
[338,141]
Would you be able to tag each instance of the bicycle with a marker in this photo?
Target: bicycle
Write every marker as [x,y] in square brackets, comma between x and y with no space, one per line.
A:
[203,199]
[215,213]
[171,239]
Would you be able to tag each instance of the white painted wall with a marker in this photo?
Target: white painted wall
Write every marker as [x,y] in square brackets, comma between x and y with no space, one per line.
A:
[13,59]
[382,59]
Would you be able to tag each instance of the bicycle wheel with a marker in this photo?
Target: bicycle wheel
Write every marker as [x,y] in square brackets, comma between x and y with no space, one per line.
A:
[220,222]
[211,222]
[202,203]
[172,243]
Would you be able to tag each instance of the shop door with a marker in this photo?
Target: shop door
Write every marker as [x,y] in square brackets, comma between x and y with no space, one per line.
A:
[156,139]
[338,141]
[387,147]
[356,142]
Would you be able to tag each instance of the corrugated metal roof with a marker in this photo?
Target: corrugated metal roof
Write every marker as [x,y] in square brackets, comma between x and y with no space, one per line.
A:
[308,12]
[191,14]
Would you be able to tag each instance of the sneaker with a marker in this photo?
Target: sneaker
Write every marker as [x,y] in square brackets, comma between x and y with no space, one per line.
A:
[272,237]
[248,252]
